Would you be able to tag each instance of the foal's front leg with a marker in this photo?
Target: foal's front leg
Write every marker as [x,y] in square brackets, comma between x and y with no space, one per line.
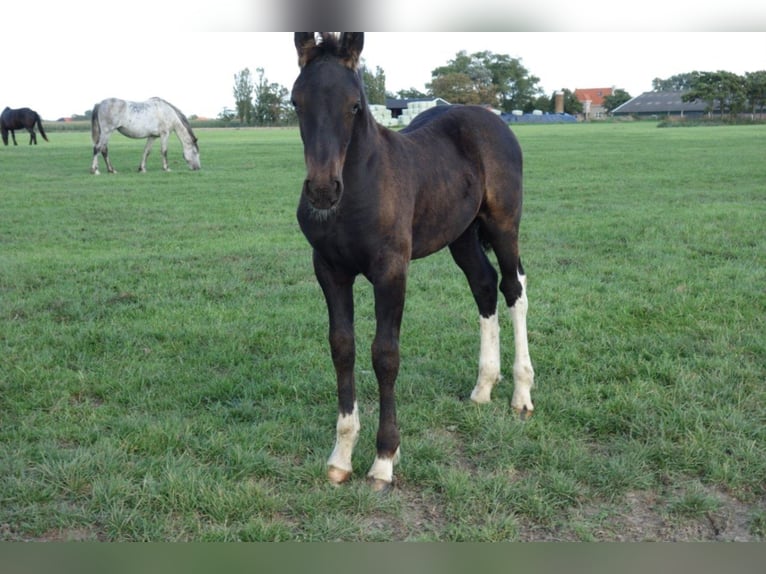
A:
[389,306]
[338,292]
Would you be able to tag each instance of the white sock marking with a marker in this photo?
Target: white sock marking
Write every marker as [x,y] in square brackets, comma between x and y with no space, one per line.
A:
[346,435]
[523,373]
[383,468]
[489,359]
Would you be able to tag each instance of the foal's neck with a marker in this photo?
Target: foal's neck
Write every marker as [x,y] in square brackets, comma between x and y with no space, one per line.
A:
[364,140]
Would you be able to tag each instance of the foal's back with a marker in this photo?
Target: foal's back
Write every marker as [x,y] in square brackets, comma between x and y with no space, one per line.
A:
[467,163]
[477,134]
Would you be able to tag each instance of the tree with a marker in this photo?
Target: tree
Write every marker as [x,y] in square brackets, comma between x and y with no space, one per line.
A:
[243,94]
[726,88]
[459,88]
[616,99]
[572,105]
[755,89]
[543,103]
[226,114]
[676,83]
[464,80]
[485,78]
[269,105]
[516,87]
[374,85]
[410,94]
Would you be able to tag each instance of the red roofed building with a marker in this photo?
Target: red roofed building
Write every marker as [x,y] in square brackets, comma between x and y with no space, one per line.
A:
[592,100]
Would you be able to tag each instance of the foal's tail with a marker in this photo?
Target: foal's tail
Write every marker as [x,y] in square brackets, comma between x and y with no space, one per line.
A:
[40,127]
[95,127]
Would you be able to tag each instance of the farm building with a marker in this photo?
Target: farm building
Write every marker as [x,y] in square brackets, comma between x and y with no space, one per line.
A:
[657,104]
[592,100]
[400,112]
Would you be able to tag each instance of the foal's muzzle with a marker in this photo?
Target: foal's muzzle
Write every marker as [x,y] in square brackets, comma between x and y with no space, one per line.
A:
[323,195]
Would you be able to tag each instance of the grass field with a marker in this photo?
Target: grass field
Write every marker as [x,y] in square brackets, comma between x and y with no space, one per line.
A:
[165,375]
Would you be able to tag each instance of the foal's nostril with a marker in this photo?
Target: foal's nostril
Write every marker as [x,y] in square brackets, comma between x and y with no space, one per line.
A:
[323,195]
[338,188]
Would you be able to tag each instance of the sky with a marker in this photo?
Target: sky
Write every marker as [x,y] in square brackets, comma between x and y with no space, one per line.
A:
[62,65]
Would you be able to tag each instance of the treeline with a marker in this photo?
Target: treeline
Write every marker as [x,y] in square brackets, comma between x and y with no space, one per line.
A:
[497,80]
[723,92]
[259,103]
[482,78]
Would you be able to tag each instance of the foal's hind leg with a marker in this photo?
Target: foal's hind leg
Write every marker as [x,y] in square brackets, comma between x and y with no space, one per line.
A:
[523,373]
[482,277]
[514,288]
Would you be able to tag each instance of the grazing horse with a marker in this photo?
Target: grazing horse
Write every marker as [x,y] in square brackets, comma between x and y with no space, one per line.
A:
[374,199]
[152,119]
[11,120]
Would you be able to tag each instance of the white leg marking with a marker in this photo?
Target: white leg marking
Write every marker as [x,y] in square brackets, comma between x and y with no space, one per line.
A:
[346,435]
[383,468]
[523,373]
[489,359]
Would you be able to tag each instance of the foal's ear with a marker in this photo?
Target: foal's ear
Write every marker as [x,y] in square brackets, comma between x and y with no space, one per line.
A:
[306,44]
[348,48]
[351,44]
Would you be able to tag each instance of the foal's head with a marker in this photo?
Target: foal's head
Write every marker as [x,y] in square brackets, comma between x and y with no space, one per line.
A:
[328,97]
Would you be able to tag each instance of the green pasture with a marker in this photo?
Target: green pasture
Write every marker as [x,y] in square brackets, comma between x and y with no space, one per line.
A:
[165,374]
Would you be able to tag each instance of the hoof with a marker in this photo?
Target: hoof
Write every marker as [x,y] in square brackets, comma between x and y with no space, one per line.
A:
[380,486]
[481,396]
[337,475]
[524,413]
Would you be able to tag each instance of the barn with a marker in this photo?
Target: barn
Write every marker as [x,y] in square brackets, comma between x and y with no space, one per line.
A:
[661,104]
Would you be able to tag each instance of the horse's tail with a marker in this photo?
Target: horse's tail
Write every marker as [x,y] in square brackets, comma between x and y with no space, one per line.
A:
[40,126]
[95,127]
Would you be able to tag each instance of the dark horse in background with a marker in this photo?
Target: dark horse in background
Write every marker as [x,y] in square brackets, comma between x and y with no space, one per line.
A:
[374,199]
[11,120]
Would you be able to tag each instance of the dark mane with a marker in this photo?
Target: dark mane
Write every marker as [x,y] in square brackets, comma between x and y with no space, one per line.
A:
[183,119]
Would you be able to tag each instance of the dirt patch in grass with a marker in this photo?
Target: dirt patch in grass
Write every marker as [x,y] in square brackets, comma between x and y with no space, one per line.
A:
[9,534]
[647,516]
[639,517]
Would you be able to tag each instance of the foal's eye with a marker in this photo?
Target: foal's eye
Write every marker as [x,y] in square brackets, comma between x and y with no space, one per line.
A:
[356,107]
